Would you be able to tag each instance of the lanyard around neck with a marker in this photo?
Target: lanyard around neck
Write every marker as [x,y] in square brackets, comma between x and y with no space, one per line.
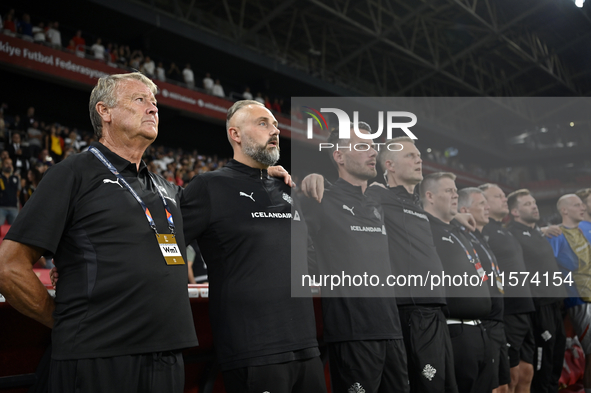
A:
[114,171]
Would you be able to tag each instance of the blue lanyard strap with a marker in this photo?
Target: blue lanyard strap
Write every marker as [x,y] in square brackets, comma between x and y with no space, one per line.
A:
[491,258]
[114,171]
[470,258]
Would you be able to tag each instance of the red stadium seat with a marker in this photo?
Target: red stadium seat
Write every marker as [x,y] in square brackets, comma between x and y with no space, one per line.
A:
[4,230]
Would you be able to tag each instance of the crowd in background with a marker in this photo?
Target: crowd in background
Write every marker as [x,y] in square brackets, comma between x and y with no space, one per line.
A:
[120,55]
[64,141]
[32,145]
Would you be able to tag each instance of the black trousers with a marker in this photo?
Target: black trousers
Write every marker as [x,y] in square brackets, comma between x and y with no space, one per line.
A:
[377,366]
[147,373]
[550,341]
[499,351]
[428,349]
[298,376]
[472,358]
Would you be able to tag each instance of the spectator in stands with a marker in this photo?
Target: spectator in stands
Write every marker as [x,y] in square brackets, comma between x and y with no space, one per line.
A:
[31,116]
[161,72]
[39,33]
[31,182]
[259,98]
[218,90]
[79,43]
[268,103]
[208,83]
[98,50]
[174,73]
[71,47]
[2,125]
[188,76]
[73,140]
[25,28]
[9,25]
[247,95]
[18,154]
[9,187]
[54,144]
[109,52]
[35,139]
[136,60]
[54,37]
[276,107]
[149,68]
[18,124]
[123,56]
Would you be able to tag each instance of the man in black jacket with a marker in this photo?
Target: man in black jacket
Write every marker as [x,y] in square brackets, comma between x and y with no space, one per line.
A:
[265,339]
[412,252]
[468,298]
[548,328]
[518,303]
[471,200]
[361,324]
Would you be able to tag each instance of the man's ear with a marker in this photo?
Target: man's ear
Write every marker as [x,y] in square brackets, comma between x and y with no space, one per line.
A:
[103,111]
[338,157]
[429,196]
[234,134]
[390,166]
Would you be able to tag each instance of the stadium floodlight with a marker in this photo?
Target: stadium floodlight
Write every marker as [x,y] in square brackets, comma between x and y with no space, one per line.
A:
[579,3]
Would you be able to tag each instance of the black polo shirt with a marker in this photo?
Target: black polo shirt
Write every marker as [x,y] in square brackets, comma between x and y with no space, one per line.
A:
[464,301]
[349,238]
[509,254]
[241,219]
[412,251]
[116,295]
[488,259]
[539,258]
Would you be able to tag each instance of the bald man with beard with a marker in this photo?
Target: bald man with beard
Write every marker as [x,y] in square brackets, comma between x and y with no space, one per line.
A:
[242,219]
[573,253]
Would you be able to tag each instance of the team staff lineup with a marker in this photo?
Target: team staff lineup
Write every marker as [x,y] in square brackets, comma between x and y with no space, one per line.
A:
[409,235]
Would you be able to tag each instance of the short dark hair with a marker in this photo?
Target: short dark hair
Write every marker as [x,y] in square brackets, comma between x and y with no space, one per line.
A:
[512,198]
[334,138]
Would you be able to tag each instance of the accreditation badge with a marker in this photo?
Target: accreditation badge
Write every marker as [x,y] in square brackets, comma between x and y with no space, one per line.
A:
[170,250]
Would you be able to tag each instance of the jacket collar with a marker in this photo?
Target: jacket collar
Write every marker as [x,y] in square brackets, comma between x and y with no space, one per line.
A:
[250,171]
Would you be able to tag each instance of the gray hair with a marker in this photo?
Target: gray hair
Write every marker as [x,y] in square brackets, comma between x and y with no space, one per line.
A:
[104,92]
[465,196]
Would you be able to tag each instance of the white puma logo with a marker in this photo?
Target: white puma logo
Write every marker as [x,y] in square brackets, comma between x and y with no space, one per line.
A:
[349,208]
[246,195]
[447,239]
[105,181]
[526,234]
